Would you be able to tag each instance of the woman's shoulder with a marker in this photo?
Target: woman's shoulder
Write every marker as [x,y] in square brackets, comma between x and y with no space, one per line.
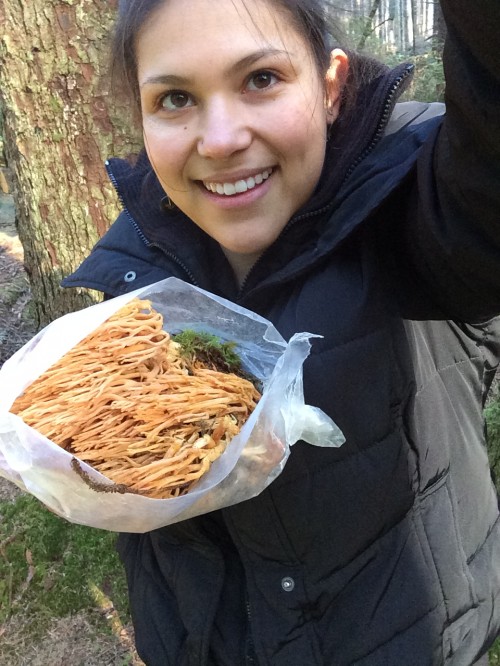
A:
[411,114]
[119,262]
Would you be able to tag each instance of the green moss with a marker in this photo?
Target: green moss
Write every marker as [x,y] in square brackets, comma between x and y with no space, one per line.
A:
[209,349]
[49,567]
[55,104]
[494,653]
[492,415]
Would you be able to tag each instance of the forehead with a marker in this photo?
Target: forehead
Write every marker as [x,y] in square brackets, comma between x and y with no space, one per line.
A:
[178,29]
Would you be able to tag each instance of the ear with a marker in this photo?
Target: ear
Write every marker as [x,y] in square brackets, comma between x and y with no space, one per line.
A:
[335,81]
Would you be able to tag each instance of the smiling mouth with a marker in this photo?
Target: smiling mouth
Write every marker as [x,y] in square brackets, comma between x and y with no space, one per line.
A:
[240,186]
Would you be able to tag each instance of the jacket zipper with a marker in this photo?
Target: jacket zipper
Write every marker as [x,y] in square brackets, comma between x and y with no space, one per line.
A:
[114,182]
[141,235]
[176,259]
[250,656]
[386,114]
[292,222]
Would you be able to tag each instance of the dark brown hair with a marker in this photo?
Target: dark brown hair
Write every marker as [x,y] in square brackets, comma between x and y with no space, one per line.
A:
[308,18]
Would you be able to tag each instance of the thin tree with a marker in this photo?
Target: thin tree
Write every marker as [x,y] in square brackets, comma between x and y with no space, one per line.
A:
[439,28]
[414,23]
[368,29]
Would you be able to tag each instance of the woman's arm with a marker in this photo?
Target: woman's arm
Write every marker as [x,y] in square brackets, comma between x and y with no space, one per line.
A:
[455,211]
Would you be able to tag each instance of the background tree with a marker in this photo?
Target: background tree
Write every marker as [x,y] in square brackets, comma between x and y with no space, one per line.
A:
[368,29]
[439,27]
[59,127]
[390,26]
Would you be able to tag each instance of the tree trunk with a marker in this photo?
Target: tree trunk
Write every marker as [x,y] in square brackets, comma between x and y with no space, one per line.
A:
[58,131]
[414,24]
[439,31]
[368,29]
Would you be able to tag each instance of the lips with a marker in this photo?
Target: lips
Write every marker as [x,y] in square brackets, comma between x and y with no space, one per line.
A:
[231,188]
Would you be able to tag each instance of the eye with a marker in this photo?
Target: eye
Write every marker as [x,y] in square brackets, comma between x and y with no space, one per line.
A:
[261,80]
[176,100]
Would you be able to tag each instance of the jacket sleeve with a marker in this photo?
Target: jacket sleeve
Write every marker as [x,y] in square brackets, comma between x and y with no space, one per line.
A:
[454,230]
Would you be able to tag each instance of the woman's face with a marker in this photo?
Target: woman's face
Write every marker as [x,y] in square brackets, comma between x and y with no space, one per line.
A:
[234,117]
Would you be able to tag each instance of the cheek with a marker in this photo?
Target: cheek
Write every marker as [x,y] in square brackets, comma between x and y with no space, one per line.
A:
[168,152]
[301,133]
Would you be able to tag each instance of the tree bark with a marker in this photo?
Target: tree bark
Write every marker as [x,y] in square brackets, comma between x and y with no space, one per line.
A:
[58,130]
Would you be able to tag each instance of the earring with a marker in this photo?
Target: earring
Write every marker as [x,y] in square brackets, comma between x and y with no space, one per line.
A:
[167,203]
[330,112]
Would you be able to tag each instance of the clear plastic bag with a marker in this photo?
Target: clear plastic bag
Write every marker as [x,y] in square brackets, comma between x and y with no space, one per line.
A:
[250,463]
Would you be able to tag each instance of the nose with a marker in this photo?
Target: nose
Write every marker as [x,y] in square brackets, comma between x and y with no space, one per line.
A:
[223,130]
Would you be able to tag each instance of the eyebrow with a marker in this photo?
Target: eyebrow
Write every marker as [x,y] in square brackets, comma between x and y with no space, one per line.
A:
[244,63]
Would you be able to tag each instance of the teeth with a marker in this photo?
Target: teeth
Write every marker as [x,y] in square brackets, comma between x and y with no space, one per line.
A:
[241,186]
[229,189]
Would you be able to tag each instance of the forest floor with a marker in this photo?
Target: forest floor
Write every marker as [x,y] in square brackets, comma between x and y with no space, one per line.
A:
[76,640]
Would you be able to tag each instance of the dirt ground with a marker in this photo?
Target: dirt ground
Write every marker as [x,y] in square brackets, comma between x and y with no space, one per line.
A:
[71,641]
[15,326]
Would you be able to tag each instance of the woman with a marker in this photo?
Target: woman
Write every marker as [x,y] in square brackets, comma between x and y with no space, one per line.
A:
[283,177]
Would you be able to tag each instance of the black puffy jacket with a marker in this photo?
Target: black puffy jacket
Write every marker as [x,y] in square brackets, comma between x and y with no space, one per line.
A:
[386,551]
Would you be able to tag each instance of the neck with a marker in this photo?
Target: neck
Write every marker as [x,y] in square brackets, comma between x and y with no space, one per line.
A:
[240,263]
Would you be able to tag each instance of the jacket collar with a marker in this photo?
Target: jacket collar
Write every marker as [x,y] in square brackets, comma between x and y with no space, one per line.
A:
[356,132]
[355,152]
[354,135]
